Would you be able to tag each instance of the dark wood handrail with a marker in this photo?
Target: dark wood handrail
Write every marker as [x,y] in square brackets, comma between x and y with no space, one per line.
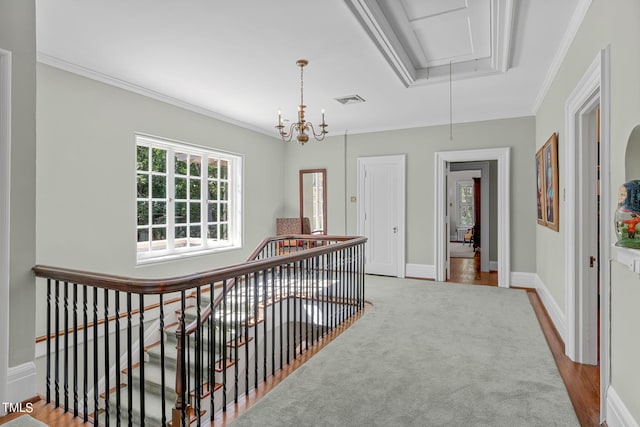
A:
[191,328]
[182,283]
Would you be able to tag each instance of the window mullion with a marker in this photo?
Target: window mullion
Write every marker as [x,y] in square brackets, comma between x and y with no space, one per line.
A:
[171,195]
[204,200]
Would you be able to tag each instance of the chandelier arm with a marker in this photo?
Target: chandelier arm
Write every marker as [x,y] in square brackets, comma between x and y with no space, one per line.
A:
[318,136]
[286,136]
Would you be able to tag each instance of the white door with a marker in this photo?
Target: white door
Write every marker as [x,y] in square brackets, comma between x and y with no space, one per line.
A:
[381,197]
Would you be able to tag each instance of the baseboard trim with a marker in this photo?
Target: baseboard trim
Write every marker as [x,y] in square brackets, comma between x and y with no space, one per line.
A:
[493,265]
[21,382]
[617,413]
[554,311]
[523,280]
[421,271]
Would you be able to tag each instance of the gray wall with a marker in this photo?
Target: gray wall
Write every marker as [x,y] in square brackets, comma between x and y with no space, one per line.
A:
[614,23]
[17,34]
[420,145]
[86,175]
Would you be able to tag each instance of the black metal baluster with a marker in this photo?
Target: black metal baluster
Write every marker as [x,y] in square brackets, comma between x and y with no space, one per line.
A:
[281,298]
[96,377]
[198,355]
[85,355]
[256,315]
[162,372]
[57,344]
[183,358]
[117,357]
[295,317]
[129,361]
[327,294]
[106,356]
[66,347]
[289,312]
[223,344]
[75,349]
[273,320]
[264,286]
[247,304]
[212,354]
[141,359]
[236,331]
[48,341]
[305,283]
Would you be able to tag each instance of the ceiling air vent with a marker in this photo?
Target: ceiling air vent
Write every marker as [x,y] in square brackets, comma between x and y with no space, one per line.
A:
[350,99]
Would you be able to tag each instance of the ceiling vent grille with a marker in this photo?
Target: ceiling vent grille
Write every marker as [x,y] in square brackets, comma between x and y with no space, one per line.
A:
[350,99]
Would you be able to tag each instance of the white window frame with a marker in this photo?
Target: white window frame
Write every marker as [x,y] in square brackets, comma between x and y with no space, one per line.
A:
[234,214]
[459,204]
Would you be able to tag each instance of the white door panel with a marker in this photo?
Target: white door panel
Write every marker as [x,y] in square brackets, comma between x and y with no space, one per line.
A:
[381,213]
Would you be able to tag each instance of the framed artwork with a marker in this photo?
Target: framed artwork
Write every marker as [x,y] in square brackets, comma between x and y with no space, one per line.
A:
[551,200]
[540,193]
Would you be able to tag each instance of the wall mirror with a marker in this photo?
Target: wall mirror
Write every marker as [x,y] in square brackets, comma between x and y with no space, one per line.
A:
[313,200]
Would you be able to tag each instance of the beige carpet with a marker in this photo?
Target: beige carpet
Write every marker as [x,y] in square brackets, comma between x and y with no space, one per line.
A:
[427,354]
[25,421]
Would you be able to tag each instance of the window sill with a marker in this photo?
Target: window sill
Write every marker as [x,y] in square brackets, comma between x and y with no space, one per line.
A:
[184,255]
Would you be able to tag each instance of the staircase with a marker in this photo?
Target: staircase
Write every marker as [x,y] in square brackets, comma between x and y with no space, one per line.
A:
[215,337]
[210,379]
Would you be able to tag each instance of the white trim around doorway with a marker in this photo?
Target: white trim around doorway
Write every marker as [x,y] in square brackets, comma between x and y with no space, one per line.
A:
[5,191]
[593,88]
[442,159]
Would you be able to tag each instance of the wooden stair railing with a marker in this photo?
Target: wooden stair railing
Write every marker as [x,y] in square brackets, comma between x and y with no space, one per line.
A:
[308,291]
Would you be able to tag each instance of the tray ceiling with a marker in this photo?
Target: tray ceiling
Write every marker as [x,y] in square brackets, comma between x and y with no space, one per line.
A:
[422,39]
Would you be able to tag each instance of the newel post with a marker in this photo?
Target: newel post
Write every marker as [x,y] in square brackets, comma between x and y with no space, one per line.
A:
[181,406]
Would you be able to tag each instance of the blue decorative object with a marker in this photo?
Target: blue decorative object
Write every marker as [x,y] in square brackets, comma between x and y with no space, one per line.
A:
[627,216]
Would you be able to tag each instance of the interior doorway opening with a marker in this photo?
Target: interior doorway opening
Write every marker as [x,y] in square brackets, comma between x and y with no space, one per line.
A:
[443,161]
[471,199]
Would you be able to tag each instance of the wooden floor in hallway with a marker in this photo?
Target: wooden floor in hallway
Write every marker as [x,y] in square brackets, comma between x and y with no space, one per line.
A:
[467,270]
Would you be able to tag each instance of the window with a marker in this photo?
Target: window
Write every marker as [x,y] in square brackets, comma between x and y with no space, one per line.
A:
[465,203]
[188,199]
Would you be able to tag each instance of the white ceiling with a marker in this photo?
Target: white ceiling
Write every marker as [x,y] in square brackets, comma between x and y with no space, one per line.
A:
[236,60]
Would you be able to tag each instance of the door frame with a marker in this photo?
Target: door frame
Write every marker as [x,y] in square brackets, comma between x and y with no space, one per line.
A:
[401,161]
[485,228]
[593,88]
[5,226]
[442,159]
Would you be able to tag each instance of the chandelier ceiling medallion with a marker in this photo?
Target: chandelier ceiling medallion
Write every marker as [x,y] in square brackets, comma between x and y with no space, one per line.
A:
[301,127]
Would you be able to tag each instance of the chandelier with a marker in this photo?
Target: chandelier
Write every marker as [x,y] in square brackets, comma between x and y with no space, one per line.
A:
[301,127]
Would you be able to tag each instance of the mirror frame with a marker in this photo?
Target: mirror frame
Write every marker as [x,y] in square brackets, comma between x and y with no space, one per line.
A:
[323,172]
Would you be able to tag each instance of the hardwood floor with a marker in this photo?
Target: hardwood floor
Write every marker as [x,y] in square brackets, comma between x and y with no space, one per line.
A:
[467,270]
[582,381]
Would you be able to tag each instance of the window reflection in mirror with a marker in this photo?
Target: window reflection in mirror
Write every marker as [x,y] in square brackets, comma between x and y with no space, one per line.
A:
[313,200]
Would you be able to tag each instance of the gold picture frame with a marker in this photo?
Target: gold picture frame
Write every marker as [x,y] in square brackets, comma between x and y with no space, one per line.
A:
[551,210]
[540,208]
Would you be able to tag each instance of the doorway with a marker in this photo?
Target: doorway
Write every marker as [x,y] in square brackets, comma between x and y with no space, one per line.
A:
[443,160]
[381,213]
[588,203]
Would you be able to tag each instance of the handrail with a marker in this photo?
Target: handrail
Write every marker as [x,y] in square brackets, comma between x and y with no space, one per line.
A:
[312,282]
[144,286]
[190,329]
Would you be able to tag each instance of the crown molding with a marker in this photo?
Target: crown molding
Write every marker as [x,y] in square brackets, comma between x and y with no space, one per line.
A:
[140,90]
[569,35]
[374,21]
